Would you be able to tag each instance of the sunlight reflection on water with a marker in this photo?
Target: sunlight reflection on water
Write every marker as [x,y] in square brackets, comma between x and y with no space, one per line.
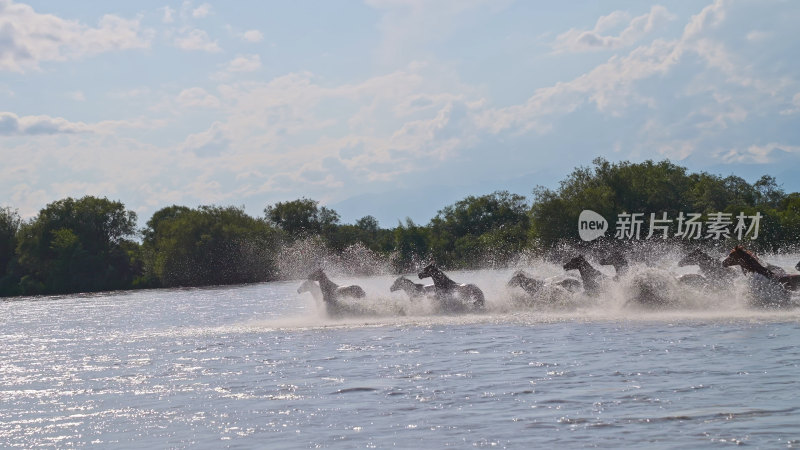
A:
[261,365]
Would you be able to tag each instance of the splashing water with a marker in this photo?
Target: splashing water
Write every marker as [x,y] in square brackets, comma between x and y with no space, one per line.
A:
[649,289]
[245,365]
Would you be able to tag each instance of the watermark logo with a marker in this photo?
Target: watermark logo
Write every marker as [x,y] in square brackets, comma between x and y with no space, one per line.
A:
[591,225]
[691,226]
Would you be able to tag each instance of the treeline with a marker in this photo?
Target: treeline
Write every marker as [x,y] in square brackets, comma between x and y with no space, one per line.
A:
[92,244]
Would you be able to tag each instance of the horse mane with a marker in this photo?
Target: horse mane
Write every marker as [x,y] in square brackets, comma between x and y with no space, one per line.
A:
[748,254]
[750,262]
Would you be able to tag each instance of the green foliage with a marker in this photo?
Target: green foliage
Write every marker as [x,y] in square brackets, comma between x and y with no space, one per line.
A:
[9,226]
[789,216]
[206,246]
[411,245]
[77,246]
[650,187]
[365,232]
[302,218]
[476,228]
[84,245]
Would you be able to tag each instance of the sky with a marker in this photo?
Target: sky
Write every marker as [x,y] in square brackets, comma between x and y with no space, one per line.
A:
[392,108]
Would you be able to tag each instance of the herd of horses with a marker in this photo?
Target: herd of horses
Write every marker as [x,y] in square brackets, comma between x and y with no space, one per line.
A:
[770,285]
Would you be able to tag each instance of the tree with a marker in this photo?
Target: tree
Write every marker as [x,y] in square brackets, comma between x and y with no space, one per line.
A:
[206,246]
[472,229]
[79,245]
[302,218]
[411,244]
[768,192]
[9,226]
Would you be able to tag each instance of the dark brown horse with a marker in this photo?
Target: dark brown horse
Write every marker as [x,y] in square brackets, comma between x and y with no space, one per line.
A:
[528,284]
[750,263]
[617,260]
[712,270]
[448,290]
[592,278]
[709,266]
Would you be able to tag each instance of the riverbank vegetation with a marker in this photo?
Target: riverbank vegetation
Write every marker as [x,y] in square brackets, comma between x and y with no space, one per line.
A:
[92,244]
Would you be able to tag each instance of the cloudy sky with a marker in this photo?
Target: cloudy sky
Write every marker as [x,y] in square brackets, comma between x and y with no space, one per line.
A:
[393,108]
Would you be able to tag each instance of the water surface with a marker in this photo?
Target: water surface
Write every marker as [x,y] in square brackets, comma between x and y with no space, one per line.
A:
[261,366]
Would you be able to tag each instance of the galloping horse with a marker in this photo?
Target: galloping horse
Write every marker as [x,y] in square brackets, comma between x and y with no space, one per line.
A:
[750,263]
[414,290]
[332,292]
[709,266]
[591,277]
[528,284]
[617,260]
[714,273]
[312,288]
[447,289]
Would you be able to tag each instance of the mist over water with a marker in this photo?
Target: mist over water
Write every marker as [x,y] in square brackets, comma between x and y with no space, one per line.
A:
[263,366]
[655,267]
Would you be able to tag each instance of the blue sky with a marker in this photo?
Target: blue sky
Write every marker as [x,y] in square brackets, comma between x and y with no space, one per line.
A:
[394,108]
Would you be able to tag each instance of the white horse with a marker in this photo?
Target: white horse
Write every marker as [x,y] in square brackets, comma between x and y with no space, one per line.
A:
[414,290]
[332,291]
[312,288]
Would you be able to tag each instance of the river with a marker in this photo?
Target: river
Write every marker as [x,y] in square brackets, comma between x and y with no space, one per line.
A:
[260,366]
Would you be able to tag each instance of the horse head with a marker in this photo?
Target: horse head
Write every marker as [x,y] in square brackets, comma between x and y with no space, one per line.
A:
[575,263]
[429,271]
[614,259]
[398,284]
[736,257]
[305,287]
[517,279]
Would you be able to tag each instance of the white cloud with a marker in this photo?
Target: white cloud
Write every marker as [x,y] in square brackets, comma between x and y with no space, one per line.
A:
[43,125]
[758,35]
[201,11]
[710,17]
[168,16]
[13,125]
[690,96]
[196,39]
[795,106]
[585,40]
[29,199]
[208,143]
[244,63]
[286,129]
[197,98]
[758,154]
[239,64]
[130,93]
[28,38]
[78,96]
[410,27]
[252,36]
[613,85]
